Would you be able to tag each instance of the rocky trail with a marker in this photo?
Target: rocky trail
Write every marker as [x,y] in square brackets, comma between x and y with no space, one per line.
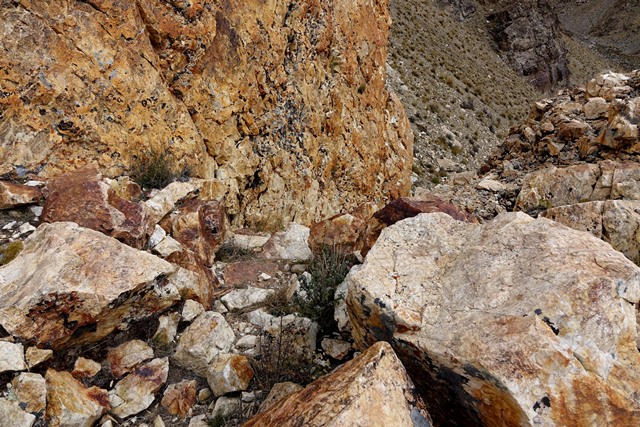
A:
[197,230]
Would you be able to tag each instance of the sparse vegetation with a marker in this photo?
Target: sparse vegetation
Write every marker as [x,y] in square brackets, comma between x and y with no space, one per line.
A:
[315,299]
[154,170]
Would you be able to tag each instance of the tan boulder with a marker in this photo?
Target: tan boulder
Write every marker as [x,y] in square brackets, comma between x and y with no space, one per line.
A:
[70,403]
[292,124]
[513,322]
[595,108]
[372,390]
[614,221]
[228,373]
[179,398]
[127,356]
[11,357]
[86,286]
[13,195]
[82,197]
[36,356]
[31,390]
[136,392]
[208,336]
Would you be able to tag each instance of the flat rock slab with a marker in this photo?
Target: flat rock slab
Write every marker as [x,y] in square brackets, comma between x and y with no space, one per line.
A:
[71,285]
[513,322]
[370,390]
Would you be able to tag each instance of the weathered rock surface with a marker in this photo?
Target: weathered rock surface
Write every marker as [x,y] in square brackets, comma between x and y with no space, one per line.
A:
[127,356]
[291,244]
[208,336]
[11,357]
[615,221]
[35,356]
[85,286]
[31,390]
[268,98]
[239,299]
[82,197]
[85,368]
[13,195]
[12,415]
[179,398]
[69,403]
[376,379]
[552,187]
[200,227]
[277,392]
[136,392]
[401,208]
[528,34]
[514,322]
[228,373]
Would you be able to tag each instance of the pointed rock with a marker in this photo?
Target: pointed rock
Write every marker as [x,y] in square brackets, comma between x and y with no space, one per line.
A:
[375,379]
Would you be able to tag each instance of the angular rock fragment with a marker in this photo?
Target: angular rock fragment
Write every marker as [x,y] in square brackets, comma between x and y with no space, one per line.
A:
[82,197]
[127,356]
[228,373]
[31,390]
[277,392]
[401,208]
[86,285]
[69,403]
[513,322]
[85,368]
[179,398]
[14,195]
[136,392]
[200,227]
[167,329]
[239,299]
[12,415]
[289,245]
[35,356]
[375,379]
[11,357]
[208,336]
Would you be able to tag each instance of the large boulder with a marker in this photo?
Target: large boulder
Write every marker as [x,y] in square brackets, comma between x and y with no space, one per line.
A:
[71,286]
[371,390]
[82,197]
[518,321]
[270,98]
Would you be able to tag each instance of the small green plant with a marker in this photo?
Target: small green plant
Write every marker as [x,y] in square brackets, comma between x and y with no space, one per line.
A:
[316,297]
[217,421]
[9,251]
[154,170]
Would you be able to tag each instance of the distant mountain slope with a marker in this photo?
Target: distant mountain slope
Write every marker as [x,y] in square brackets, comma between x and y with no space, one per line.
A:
[459,88]
[611,26]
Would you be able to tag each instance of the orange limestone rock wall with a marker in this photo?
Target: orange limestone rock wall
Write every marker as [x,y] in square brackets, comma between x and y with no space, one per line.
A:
[281,104]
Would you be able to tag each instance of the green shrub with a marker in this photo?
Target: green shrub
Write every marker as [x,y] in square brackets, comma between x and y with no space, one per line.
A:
[154,170]
[316,296]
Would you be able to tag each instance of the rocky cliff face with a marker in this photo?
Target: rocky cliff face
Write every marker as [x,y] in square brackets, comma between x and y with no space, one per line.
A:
[281,103]
[527,33]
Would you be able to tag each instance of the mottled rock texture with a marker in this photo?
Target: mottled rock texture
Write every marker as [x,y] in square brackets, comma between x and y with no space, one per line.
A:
[515,322]
[72,286]
[371,390]
[528,34]
[269,98]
